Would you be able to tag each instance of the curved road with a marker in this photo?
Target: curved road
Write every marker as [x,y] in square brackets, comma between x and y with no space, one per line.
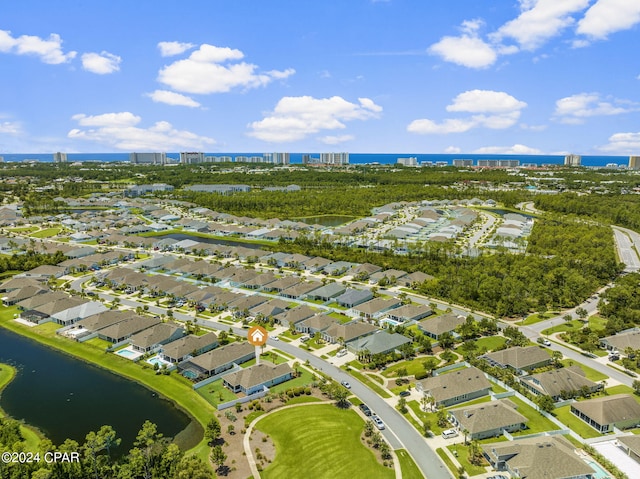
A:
[398,432]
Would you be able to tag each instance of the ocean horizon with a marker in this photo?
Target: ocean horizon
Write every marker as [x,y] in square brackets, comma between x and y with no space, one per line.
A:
[354,158]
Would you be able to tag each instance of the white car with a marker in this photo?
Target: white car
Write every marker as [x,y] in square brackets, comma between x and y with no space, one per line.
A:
[378,422]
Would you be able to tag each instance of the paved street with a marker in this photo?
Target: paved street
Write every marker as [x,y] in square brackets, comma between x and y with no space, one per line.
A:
[626,240]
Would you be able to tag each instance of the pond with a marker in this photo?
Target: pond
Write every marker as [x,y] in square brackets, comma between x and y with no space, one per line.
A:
[66,398]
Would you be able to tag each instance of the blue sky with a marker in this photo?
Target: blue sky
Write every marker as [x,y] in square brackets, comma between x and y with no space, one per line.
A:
[394,76]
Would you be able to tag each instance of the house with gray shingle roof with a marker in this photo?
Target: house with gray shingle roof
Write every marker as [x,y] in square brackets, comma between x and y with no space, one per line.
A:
[381,342]
[520,359]
[374,308]
[560,383]
[79,312]
[125,329]
[457,386]
[315,324]
[152,338]
[217,360]
[538,458]
[409,312]
[300,290]
[488,419]
[255,378]
[295,315]
[445,323]
[328,291]
[188,346]
[604,413]
[353,297]
[348,332]
[622,340]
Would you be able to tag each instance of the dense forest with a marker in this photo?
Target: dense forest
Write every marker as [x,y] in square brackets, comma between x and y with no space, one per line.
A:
[152,457]
[622,210]
[29,260]
[565,262]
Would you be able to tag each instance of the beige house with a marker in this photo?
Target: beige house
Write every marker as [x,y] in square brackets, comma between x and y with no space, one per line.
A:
[488,419]
[520,359]
[455,387]
[604,413]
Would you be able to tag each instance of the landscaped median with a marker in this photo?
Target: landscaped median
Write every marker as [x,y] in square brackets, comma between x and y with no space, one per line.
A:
[173,387]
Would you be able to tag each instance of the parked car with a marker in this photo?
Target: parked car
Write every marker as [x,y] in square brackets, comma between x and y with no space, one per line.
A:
[365,409]
[377,422]
[449,433]
[404,394]
[341,353]
[346,384]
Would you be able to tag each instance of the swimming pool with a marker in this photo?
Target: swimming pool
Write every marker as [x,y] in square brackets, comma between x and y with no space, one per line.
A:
[126,353]
[600,473]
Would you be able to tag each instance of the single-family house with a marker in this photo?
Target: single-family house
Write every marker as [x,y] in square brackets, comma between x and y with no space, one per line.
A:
[43,272]
[374,308]
[315,324]
[445,323]
[270,309]
[243,304]
[560,383]
[259,280]
[258,377]
[353,297]
[488,419]
[409,312]
[79,312]
[122,330]
[362,272]
[414,279]
[152,338]
[300,290]
[188,346]
[17,295]
[604,413]
[519,359]
[341,333]
[102,320]
[327,292]
[381,342]
[217,360]
[631,446]
[458,386]
[295,315]
[622,340]
[540,457]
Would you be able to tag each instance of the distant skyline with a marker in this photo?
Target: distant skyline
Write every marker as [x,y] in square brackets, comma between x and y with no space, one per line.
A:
[542,77]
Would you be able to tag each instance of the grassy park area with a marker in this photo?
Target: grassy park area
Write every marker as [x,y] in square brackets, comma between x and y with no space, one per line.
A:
[334,433]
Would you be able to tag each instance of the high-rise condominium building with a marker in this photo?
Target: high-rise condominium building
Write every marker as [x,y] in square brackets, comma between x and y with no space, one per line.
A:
[634,162]
[59,157]
[572,160]
[276,158]
[189,157]
[334,158]
[411,161]
[148,158]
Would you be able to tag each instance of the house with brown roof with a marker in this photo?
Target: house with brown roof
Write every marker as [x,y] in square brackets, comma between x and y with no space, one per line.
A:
[259,280]
[445,323]
[315,324]
[455,387]
[347,332]
[519,359]
[538,458]
[243,304]
[604,413]
[295,315]
[256,378]
[488,419]
[374,308]
[152,338]
[409,312]
[622,341]
[102,320]
[122,330]
[17,295]
[300,290]
[269,309]
[631,446]
[188,346]
[562,383]
[415,278]
[217,360]
[19,283]
[43,312]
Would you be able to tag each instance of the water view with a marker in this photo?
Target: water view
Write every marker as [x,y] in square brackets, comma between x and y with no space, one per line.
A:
[66,398]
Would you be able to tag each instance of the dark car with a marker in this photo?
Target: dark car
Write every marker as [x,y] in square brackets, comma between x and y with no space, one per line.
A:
[404,394]
[365,409]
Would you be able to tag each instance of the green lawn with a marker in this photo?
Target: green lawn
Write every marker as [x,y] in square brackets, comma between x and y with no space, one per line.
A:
[369,382]
[535,318]
[452,467]
[341,317]
[564,327]
[46,233]
[462,453]
[537,422]
[413,367]
[407,465]
[590,373]
[215,393]
[305,378]
[332,433]
[425,416]
[576,424]
[491,342]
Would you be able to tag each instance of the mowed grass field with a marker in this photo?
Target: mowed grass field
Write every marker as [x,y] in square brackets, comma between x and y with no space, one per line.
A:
[320,441]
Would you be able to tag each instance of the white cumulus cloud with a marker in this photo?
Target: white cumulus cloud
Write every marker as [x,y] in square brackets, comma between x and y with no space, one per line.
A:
[516,149]
[295,118]
[212,69]
[169,49]
[609,16]
[173,98]
[48,50]
[119,130]
[452,150]
[623,143]
[11,128]
[575,108]
[540,21]
[101,63]
[468,49]
[336,139]
[493,109]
